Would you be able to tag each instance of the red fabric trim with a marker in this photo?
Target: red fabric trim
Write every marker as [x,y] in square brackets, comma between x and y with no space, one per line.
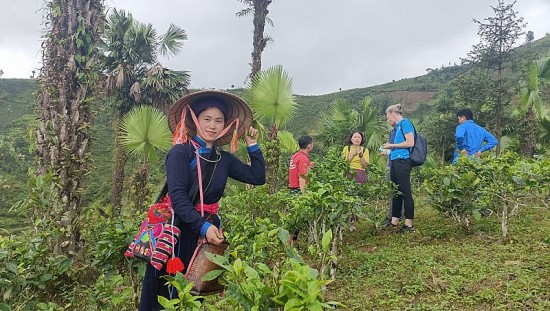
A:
[209,208]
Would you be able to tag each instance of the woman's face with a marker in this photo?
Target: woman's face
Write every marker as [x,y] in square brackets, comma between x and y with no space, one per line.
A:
[391,118]
[211,122]
[356,139]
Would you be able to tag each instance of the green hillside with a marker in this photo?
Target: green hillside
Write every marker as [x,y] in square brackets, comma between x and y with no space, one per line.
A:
[411,92]
[17,100]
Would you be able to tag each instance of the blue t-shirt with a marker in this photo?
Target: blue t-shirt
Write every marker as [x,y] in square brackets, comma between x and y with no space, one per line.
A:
[402,127]
[473,138]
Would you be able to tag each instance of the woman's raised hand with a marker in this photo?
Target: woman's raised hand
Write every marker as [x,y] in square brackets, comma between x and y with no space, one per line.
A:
[251,136]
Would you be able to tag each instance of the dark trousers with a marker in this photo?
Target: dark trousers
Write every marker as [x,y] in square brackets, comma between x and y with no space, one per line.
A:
[401,176]
[390,203]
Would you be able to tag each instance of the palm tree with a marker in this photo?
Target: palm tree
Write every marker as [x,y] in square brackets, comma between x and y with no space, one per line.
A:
[342,119]
[68,81]
[372,125]
[258,8]
[270,96]
[336,124]
[165,86]
[144,131]
[133,75]
[537,76]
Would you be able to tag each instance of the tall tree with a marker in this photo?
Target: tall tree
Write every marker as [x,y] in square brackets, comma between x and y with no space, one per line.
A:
[270,96]
[133,75]
[258,8]
[68,83]
[498,36]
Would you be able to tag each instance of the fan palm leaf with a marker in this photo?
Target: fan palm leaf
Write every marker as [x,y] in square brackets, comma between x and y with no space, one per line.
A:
[342,111]
[144,130]
[270,96]
[372,125]
[287,142]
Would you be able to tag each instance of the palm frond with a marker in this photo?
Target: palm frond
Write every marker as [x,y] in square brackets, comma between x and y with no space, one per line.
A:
[545,133]
[342,111]
[135,91]
[372,124]
[287,141]
[270,96]
[144,130]
[165,86]
[172,41]
[244,12]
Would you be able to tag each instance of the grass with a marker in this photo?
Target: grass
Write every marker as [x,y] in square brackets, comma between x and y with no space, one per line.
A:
[442,267]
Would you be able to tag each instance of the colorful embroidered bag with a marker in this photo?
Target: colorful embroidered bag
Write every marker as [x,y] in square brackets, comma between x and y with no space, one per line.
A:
[154,243]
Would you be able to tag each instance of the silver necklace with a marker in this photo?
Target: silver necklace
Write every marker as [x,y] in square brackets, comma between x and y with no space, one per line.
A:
[208,160]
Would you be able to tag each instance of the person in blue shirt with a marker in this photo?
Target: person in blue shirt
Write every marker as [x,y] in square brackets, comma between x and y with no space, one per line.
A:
[400,171]
[386,153]
[470,137]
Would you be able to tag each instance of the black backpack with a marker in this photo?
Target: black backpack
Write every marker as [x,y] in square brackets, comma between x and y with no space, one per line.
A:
[419,151]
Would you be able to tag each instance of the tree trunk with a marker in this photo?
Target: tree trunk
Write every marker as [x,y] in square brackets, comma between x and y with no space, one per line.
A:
[259,41]
[498,110]
[272,154]
[504,223]
[529,131]
[120,159]
[140,192]
[67,83]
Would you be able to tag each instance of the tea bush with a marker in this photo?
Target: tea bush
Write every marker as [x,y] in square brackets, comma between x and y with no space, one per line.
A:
[501,184]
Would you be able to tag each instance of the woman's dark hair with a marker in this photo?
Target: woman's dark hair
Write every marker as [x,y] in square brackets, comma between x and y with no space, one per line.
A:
[351,135]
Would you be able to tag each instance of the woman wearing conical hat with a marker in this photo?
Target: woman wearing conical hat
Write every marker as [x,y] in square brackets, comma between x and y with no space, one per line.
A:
[201,121]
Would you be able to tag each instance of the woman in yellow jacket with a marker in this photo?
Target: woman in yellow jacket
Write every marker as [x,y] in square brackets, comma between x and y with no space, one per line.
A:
[357,156]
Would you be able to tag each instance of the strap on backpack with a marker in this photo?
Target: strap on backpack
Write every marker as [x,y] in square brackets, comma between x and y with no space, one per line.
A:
[415,135]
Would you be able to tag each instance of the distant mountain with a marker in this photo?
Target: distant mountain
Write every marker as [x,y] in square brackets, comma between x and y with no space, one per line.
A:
[411,92]
[16,95]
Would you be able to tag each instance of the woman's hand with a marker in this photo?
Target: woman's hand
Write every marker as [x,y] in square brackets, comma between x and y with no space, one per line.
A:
[251,136]
[214,235]
[386,146]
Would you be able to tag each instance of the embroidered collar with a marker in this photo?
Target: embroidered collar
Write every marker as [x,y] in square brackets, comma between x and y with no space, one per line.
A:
[202,145]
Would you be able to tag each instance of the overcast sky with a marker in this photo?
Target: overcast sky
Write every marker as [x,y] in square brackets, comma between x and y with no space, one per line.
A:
[323,44]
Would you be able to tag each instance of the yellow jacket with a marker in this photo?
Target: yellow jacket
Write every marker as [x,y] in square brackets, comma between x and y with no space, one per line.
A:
[356,160]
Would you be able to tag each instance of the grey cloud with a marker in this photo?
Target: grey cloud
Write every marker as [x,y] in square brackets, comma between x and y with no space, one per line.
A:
[323,44]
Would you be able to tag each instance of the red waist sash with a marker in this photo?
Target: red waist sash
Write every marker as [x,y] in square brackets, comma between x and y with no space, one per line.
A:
[209,208]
